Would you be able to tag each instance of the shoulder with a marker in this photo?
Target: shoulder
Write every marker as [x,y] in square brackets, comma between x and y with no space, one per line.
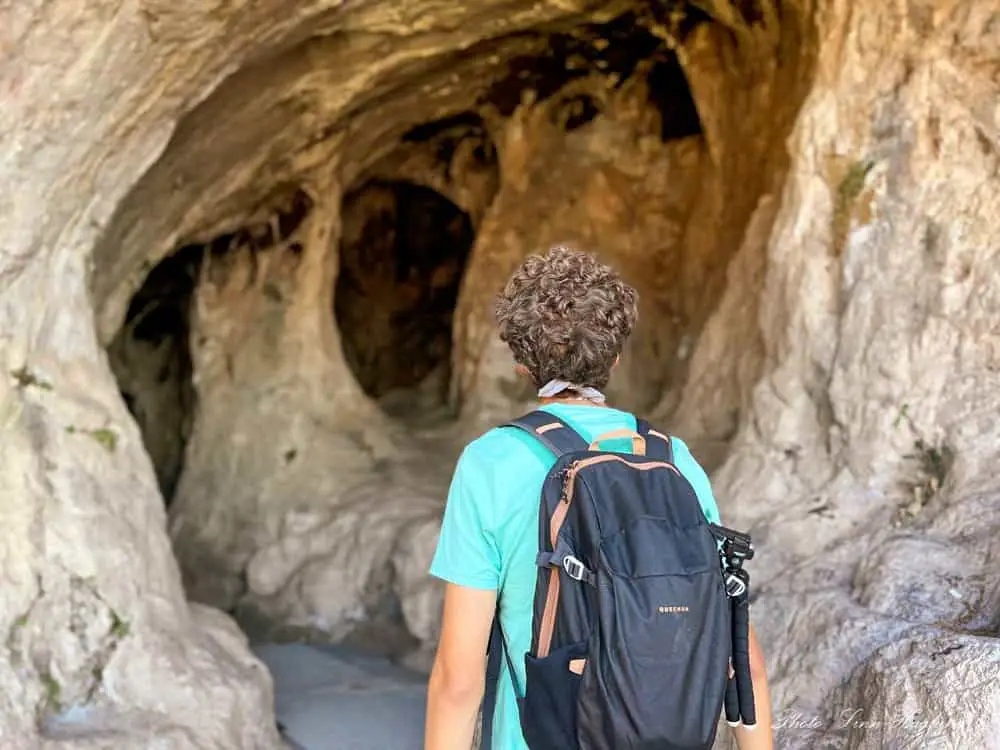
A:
[685,461]
[494,473]
[689,467]
[499,450]
[681,449]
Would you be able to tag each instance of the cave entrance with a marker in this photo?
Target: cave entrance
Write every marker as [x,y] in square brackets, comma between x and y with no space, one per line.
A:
[402,254]
[150,354]
[151,359]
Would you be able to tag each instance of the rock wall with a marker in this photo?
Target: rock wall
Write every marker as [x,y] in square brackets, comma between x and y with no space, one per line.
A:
[863,466]
[803,193]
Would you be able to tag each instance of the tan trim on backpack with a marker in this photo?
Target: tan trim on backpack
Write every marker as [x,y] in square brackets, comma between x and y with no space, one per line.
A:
[548,623]
[546,427]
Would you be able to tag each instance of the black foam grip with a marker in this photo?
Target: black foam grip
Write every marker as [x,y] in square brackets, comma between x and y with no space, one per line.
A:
[741,660]
[732,702]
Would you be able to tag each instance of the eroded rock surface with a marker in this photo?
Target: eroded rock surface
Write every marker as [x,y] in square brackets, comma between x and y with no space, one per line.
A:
[804,193]
[920,691]
[863,470]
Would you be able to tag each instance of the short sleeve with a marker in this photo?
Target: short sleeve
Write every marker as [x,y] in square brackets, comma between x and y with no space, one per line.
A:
[692,471]
[466,552]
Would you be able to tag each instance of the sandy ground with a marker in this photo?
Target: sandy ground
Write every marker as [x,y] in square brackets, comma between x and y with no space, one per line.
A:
[330,698]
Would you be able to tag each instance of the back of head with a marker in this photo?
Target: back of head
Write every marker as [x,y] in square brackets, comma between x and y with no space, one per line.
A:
[566,316]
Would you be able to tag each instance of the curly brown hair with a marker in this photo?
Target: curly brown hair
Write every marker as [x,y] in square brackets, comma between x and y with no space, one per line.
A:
[566,315]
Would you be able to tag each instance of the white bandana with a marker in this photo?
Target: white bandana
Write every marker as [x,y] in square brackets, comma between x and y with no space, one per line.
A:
[555,387]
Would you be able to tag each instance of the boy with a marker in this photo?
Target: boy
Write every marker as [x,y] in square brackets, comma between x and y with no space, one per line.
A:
[565,317]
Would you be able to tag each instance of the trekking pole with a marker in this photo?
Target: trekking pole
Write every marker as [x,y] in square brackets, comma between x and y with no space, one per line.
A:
[732,697]
[741,654]
[736,548]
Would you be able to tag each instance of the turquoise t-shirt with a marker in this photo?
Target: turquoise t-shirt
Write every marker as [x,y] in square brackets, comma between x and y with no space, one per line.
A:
[489,535]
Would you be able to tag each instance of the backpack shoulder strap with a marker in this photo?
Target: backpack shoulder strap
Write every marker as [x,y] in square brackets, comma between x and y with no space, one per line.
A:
[658,444]
[492,685]
[497,644]
[551,431]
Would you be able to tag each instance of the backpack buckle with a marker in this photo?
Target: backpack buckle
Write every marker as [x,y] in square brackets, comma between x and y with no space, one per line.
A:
[574,568]
[736,583]
[736,546]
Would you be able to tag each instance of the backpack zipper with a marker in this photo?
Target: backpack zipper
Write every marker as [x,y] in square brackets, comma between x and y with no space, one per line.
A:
[604,457]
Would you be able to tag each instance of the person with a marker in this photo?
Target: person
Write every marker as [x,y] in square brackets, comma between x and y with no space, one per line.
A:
[565,317]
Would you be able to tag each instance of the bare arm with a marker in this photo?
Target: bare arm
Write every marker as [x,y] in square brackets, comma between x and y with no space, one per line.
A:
[458,677]
[761,736]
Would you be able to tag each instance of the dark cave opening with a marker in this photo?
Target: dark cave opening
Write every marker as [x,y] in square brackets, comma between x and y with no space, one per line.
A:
[617,50]
[402,254]
[670,93]
[151,359]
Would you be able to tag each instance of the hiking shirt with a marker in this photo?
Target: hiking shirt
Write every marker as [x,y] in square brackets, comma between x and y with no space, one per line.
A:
[489,534]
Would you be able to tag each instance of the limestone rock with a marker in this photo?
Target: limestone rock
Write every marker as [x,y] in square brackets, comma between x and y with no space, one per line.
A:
[804,194]
[844,474]
[920,691]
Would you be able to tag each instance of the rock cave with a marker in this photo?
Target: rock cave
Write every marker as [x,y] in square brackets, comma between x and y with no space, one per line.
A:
[401,260]
[246,279]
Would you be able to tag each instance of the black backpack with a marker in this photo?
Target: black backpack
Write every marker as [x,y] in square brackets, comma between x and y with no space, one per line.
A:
[633,627]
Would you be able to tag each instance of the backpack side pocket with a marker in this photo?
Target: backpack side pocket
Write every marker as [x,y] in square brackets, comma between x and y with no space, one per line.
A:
[549,707]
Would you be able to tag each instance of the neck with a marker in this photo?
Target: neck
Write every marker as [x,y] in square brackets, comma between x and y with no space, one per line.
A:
[577,401]
[565,391]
